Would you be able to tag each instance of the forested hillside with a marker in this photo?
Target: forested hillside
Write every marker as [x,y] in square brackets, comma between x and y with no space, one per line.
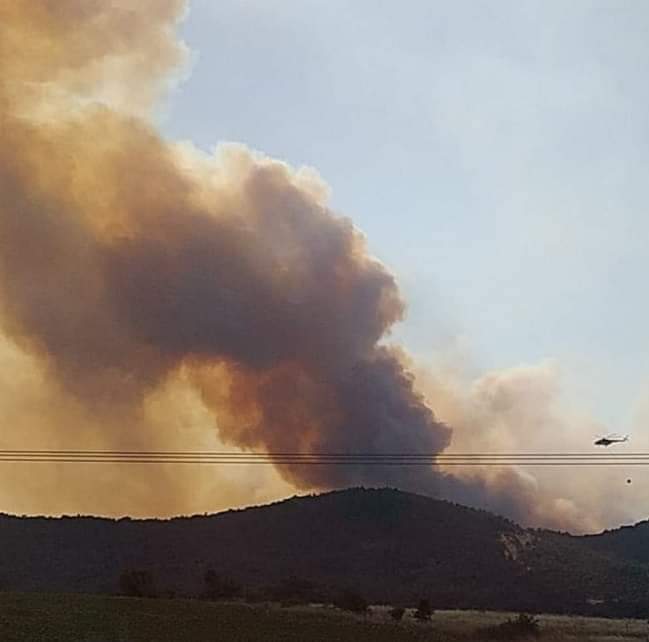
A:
[387,545]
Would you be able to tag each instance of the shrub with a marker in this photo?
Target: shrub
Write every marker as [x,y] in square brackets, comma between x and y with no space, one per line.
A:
[294,590]
[397,613]
[351,601]
[137,584]
[220,588]
[522,626]
[424,610]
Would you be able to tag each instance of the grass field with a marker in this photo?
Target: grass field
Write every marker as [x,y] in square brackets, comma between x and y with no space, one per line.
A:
[82,618]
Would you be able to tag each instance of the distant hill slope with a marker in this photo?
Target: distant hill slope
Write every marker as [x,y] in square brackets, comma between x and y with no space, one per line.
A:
[628,542]
[389,545]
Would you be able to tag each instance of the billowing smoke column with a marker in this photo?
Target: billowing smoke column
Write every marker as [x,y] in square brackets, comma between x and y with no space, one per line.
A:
[125,261]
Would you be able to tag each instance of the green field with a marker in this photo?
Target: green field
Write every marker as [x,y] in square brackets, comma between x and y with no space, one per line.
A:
[82,618]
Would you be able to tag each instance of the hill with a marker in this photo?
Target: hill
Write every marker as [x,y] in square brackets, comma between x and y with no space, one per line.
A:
[628,542]
[389,545]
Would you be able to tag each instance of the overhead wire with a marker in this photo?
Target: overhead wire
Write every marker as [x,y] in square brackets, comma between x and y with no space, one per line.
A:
[324,458]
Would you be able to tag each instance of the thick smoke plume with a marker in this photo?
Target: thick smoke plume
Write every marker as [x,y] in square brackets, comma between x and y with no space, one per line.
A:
[130,267]
[125,261]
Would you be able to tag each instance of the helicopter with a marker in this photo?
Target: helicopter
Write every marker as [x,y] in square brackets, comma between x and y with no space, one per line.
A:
[607,440]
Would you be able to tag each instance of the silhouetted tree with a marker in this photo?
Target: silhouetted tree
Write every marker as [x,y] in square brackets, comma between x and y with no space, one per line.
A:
[294,590]
[137,584]
[397,613]
[220,588]
[424,610]
[351,601]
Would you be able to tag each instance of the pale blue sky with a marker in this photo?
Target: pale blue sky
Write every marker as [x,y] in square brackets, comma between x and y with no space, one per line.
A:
[494,153]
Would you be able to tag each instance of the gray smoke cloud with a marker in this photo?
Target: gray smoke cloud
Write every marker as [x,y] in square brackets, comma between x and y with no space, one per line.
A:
[127,263]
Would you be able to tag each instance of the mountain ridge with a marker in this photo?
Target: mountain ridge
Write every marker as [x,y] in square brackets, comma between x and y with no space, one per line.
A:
[387,544]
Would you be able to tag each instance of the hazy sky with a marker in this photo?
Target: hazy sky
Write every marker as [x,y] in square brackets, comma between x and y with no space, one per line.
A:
[494,153]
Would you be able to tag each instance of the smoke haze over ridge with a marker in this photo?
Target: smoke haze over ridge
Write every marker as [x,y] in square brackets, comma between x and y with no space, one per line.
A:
[137,275]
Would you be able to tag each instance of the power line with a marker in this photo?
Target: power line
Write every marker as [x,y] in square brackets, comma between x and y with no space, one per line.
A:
[207,453]
[323,458]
